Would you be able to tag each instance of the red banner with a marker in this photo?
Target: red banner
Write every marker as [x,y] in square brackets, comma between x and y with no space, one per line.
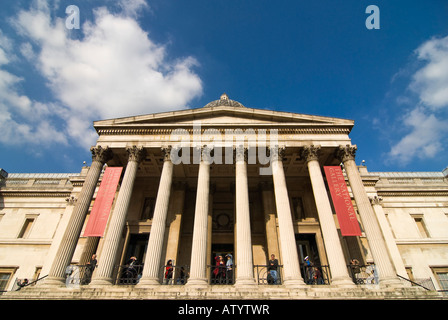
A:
[103,202]
[342,202]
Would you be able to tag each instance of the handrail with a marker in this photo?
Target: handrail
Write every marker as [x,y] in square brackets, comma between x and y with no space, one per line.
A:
[414,283]
[17,286]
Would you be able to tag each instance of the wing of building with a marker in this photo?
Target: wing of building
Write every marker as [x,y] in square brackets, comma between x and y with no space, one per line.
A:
[223,201]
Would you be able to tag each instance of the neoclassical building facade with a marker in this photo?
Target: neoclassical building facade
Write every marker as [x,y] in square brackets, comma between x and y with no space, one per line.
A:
[224,181]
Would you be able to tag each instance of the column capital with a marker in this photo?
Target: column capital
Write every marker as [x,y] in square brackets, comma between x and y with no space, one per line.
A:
[311,153]
[71,201]
[206,153]
[166,153]
[240,153]
[376,200]
[101,154]
[136,154]
[277,153]
[347,152]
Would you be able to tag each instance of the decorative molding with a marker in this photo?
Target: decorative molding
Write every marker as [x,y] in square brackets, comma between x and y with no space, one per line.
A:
[136,153]
[33,194]
[240,153]
[376,200]
[101,154]
[310,153]
[71,200]
[277,153]
[166,153]
[413,193]
[168,131]
[345,153]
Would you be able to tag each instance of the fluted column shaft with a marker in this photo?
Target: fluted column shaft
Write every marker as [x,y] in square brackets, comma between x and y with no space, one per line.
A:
[151,269]
[117,221]
[269,216]
[198,265]
[290,258]
[70,239]
[338,266]
[385,268]
[388,237]
[244,259]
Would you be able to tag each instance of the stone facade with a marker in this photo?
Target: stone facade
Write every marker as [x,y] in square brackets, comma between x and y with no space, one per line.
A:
[225,179]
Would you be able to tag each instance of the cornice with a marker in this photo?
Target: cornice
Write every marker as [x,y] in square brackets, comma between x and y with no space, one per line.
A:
[433,193]
[35,194]
[165,131]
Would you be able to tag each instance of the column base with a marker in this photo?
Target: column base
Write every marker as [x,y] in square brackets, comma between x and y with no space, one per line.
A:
[101,282]
[343,282]
[197,283]
[148,283]
[294,284]
[244,283]
[53,282]
[391,282]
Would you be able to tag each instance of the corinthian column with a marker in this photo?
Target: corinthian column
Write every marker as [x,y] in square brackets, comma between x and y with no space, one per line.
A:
[385,268]
[291,267]
[106,261]
[198,265]
[64,255]
[338,267]
[395,256]
[244,260]
[151,270]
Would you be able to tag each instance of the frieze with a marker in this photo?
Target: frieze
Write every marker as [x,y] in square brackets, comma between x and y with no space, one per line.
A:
[168,131]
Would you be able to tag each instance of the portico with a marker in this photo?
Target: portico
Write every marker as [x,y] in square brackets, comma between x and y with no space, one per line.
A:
[223,179]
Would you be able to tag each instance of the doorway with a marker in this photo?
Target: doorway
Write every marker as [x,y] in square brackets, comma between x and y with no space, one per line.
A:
[221,273]
[137,247]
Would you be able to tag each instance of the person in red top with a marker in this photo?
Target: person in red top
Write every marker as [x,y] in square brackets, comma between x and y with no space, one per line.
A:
[168,272]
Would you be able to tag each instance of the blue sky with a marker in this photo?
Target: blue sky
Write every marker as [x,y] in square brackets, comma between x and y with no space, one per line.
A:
[133,57]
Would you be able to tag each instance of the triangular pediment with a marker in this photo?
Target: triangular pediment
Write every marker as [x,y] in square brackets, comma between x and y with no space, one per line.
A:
[223,116]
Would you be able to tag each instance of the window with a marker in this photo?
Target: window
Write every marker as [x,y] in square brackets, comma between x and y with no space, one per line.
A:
[442,277]
[299,212]
[410,273]
[148,209]
[26,228]
[421,225]
[5,277]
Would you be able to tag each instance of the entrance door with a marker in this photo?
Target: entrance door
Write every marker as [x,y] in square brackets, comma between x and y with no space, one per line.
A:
[307,247]
[137,247]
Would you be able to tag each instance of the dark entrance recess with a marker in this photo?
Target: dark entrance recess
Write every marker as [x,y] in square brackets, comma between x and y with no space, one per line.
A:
[307,246]
[137,247]
[222,275]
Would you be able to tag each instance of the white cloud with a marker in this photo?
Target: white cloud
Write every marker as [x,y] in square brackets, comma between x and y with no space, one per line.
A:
[424,139]
[114,70]
[426,123]
[431,81]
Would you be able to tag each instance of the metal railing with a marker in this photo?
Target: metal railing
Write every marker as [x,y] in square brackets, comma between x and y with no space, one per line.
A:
[267,275]
[363,274]
[222,275]
[22,283]
[175,275]
[76,275]
[426,284]
[316,274]
[129,274]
